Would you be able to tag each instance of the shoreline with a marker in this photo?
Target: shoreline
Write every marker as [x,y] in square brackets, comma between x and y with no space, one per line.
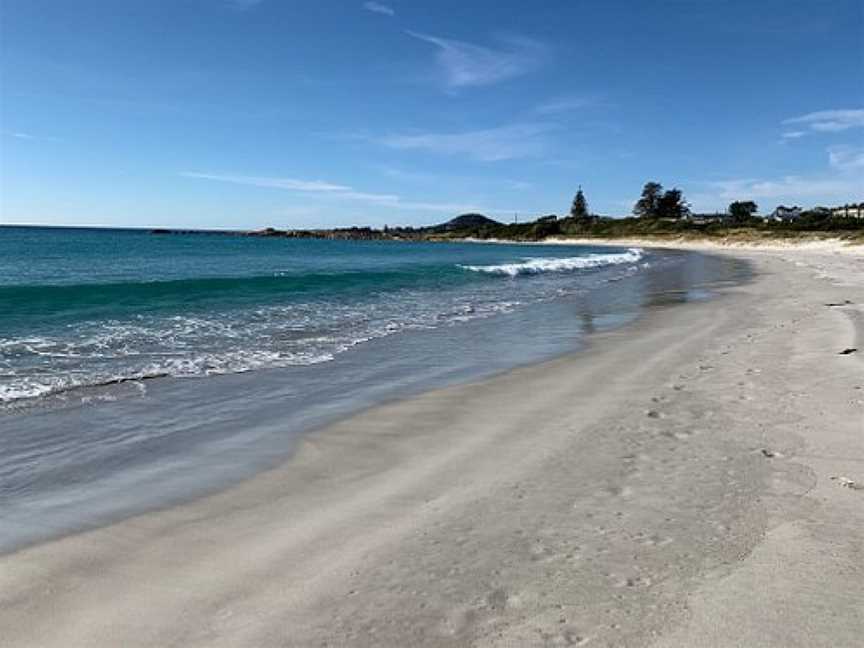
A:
[607,496]
[706,245]
[698,245]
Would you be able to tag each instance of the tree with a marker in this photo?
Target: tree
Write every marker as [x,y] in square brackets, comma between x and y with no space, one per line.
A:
[741,212]
[542,229]
[579,209]
[672,205]
[647,205]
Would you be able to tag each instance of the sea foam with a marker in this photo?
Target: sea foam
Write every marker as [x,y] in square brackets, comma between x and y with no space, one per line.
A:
[540,265]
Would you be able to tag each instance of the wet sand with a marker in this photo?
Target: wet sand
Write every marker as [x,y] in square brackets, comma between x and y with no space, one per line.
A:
[695,479]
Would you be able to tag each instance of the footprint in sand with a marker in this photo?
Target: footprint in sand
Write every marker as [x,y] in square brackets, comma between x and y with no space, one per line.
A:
[845,482]
[770,454]
[618,491]
[497,599]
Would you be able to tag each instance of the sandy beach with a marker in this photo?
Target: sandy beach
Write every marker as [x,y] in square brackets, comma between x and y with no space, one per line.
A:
[694,479]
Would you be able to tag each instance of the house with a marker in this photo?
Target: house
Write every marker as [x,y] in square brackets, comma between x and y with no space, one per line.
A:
[783,213]
[848,211]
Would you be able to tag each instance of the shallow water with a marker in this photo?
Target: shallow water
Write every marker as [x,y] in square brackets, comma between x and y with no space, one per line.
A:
[249,342]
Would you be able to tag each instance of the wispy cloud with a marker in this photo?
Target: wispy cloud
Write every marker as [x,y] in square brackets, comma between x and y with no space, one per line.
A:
[793,135]
[377,7]
[830,121]
[490,145]
[342,192]
[785,187]
[292,184]
[465,64]
[809,190]
[563,105]
[846,158]
[840,182]
[29,136]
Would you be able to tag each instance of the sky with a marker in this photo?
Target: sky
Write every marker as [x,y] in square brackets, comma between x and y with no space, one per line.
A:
[323,113]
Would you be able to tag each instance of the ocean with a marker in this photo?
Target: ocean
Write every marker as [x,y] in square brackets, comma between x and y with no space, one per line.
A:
[138,370]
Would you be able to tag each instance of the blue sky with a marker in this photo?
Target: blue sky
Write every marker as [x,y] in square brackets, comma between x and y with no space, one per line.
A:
[295,113]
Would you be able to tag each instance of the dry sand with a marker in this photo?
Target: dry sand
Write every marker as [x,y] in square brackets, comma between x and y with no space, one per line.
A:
[696,479]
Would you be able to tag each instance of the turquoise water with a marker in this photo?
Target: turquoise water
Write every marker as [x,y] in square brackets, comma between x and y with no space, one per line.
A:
[140,370]
[83,307]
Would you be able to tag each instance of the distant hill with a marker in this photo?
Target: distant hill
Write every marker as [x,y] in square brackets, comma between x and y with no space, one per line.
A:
[466,221]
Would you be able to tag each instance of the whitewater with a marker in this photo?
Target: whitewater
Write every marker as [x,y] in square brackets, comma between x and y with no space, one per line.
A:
[539,265]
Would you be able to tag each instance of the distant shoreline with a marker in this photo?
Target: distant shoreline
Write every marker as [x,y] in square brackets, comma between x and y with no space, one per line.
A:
[718,238]
[812,244]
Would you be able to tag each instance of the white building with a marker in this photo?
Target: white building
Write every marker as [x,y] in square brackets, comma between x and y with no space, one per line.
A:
[848,211]
[783,213]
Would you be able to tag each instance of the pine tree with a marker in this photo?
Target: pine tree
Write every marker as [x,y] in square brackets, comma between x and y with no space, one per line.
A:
[648,205]
[579,209]
[672,205]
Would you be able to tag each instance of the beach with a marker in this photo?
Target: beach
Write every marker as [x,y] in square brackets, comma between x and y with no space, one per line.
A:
[694,478]
[127,387]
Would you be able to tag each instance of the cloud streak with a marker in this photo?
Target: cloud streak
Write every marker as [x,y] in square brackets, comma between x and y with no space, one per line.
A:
[29,136]
[291,184]
[846,158]
[465,64]
[825,189]
[324,189]
[785,187]
[489,145]
[377,7]
[828,121]
[840,183]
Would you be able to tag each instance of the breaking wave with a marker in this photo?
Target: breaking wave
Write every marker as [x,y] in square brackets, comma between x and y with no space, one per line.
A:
[532,266]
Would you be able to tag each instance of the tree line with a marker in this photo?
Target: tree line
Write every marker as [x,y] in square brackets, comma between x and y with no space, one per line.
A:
[653,203]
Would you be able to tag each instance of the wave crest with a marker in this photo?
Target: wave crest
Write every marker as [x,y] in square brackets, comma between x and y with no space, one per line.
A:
[540,265]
